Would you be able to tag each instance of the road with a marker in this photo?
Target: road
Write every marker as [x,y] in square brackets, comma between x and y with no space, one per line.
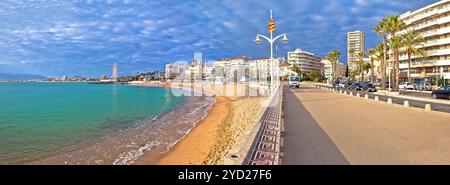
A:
[417,94]
[398,100]
[322,127]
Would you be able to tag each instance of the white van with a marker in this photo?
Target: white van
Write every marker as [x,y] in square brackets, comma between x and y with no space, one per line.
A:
[294,81]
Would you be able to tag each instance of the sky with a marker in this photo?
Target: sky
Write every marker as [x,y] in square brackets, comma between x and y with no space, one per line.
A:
[85,37]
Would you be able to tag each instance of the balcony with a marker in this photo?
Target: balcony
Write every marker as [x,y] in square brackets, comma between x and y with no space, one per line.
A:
[425,64]
[436,42]
[436,32]
[425,15]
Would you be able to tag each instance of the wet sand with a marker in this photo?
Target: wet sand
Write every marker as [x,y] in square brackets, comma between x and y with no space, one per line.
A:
[194,148]
[212,138]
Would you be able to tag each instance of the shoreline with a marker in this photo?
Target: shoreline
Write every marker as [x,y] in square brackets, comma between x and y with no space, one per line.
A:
[195,146]
[212,137]
[152,138]
[176,139]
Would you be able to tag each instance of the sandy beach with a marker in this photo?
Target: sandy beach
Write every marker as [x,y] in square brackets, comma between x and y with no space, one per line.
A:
[212,138]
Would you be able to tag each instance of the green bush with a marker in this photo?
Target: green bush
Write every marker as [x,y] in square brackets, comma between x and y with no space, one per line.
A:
[442,82]
[304,78]
[314,76]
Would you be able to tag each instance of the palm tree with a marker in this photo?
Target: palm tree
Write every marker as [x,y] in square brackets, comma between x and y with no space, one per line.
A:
[333,56]
[396,43]
[379,55]
[367,67]
[381,29]
[351,52]
[372,55]
[394,24]
[296,69]
[411,40]
[360,64]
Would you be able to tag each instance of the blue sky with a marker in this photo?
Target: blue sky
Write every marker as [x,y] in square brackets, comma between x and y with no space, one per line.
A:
[85,37]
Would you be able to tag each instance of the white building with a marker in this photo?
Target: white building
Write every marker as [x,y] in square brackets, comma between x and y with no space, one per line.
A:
[327,70]
[306,61]
[208,71]
[341,70]
[260,69]
[64,78]
[355,42]
[175,69]
[115,76]
[232,69]
[432,22]
[195,71]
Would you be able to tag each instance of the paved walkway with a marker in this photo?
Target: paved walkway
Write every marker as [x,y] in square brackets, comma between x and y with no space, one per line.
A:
[322,127]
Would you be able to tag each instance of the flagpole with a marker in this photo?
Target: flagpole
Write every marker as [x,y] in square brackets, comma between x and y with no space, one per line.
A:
[269,66]
[271,41]
[271,38]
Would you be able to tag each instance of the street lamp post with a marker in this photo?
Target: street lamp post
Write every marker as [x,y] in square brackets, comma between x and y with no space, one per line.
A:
[389,74]
[271,40]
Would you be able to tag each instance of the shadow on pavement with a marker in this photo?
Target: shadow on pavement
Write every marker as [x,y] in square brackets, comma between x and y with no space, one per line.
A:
[305,142]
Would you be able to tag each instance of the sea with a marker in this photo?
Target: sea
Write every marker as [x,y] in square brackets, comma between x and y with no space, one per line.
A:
[81,123]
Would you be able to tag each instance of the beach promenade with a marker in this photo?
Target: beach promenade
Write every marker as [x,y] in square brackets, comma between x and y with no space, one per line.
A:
[322,127]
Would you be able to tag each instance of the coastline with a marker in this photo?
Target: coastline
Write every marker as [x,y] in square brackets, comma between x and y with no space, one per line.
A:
[195,133]
[211,138]
[152,137]
[195,146]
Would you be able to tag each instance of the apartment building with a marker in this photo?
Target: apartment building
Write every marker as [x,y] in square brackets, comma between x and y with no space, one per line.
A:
[327,70]
[355,42]
[173,70]
[306,61]
[432,22]
[342,69]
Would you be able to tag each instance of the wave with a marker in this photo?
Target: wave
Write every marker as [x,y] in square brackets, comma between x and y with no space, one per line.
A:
[131,156]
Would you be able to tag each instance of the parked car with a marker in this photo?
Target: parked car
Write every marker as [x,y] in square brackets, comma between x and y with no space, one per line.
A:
[294,81]
[423,86]
[371,88]
[377,84]
[336,84]
[363,86]
[387,85]
[406,85]
[244,79]
[346,85]
[441,92]
[355,86]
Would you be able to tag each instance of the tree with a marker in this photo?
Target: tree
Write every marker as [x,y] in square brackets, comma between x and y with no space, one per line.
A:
[394,24]
[351,52]
[361,64]
[411,40]
[372,55]
[379,54]
[296,69]
[333,56]
[382,29]
[314,76]
[367,67]
[396,43]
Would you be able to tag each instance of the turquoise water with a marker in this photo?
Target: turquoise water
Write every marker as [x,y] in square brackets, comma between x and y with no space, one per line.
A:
[39,117]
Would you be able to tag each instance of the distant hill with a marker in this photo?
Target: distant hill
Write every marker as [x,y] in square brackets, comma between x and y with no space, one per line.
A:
[5,76]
